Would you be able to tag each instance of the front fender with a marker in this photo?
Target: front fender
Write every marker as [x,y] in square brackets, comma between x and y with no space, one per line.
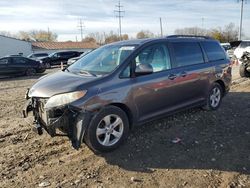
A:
[79,128]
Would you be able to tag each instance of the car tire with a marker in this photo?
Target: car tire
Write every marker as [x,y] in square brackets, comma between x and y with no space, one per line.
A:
[30,72]
[41,70]
[47,65]
[107,130]
[214,97]
[243,71]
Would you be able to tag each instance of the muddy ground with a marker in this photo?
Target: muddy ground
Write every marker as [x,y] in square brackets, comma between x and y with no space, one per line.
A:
[214,150]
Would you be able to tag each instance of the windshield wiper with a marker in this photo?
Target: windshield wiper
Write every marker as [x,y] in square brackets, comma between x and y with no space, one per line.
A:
[87,73]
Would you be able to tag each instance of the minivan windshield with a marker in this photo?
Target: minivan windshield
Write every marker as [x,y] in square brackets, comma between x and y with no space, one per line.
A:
[101,61]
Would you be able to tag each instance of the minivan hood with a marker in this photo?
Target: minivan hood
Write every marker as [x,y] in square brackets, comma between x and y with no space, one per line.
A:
[60,82]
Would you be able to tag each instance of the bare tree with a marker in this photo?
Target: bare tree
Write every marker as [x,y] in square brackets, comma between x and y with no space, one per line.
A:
[144,34]
[227,34]
[99,37]
[191,31]
[230,32]
[125,37]
[217,34]
[111,37]
[7,34]
[37,35]
[89,39]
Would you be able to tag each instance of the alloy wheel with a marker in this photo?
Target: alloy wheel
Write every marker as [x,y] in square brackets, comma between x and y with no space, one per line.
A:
[109,130]
[215,97]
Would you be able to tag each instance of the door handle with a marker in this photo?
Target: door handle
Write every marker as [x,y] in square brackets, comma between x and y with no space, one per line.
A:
[172,76]
[183,74]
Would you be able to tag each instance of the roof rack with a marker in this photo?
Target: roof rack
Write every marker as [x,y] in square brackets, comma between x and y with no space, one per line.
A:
[188,36]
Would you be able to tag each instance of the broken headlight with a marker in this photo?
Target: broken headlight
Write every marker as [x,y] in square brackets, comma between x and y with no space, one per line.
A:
[65,98]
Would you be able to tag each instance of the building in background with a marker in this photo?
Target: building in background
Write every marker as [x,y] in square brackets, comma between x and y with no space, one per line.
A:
[13,46]
[50,47]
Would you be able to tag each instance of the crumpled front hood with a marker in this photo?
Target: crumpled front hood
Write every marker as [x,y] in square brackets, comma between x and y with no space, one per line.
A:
[60,82]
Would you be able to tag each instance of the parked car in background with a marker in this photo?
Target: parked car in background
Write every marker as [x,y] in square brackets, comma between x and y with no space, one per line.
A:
[243,47]
[57,58]
[228,48]
[99,98]
[74,59]
[38,56]
[18,65]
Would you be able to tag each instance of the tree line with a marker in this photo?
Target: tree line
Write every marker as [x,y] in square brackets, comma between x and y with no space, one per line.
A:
[226,34]
[33,35]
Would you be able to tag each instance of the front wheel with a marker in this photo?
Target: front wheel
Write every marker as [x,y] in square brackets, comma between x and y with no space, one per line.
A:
[107,130]
[214,97]
[30,72]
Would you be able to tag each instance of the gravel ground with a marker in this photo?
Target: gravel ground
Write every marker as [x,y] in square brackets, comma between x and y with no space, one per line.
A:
[213,148]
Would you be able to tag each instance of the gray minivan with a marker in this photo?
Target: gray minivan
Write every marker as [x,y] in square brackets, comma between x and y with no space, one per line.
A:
[98,99]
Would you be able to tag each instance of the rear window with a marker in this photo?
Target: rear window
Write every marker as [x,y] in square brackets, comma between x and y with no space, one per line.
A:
[187,53]
[214,51]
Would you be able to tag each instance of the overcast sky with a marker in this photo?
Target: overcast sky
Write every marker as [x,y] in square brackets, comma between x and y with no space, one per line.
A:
[62,16]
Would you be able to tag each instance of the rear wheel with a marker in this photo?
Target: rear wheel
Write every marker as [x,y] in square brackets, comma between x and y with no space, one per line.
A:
[47,65]
[107,130]
[214,97]
[243,71]
[30,72]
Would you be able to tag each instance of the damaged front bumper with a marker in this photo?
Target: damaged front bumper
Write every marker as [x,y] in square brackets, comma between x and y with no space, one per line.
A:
[69,120]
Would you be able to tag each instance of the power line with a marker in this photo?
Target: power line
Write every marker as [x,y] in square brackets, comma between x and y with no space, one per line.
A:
[119,11]
[48,34]
[81,26]
[241,16]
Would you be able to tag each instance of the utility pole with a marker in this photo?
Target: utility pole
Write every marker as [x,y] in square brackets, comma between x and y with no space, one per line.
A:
[241,17]
[48,34]
[119,11]
[81,26]
[202,23]
[161,27]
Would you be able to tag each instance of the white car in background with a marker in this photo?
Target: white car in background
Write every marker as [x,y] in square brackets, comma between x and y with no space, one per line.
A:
[243,47]
[228,48]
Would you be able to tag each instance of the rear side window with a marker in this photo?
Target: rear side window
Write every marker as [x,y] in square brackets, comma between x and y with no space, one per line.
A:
[62,54]
[187,53]
[3,61]
[214,51]
[40,55]
[19,60]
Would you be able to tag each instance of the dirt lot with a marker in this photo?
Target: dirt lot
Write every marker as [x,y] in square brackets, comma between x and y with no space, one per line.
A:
[214,150]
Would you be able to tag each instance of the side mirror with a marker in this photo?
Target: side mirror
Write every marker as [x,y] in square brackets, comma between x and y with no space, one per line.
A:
[143,69]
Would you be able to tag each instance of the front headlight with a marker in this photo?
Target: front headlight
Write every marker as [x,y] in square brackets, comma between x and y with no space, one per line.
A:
[65,98]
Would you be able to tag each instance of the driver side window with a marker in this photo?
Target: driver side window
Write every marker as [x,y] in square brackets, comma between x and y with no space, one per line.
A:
[156,55]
